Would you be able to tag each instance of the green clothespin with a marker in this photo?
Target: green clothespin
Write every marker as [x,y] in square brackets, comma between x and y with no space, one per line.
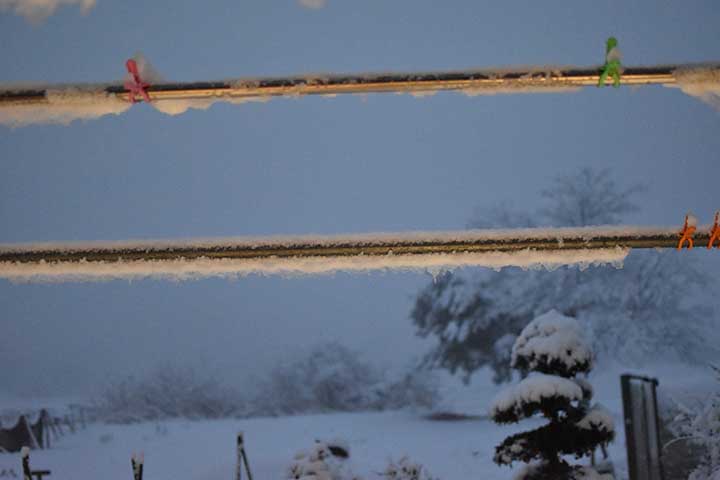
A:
[612,67]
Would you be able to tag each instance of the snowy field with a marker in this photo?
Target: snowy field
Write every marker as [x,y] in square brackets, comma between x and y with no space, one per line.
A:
[450,450]
[205,450]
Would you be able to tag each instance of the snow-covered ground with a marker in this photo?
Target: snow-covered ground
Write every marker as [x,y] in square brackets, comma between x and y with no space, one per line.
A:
[205,450]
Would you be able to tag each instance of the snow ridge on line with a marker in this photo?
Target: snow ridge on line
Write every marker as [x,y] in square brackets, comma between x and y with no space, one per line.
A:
[363,239]
[187,269]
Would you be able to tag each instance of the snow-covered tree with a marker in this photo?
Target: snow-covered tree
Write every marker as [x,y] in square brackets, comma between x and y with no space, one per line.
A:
[551,348]
[646,307]
[701,425]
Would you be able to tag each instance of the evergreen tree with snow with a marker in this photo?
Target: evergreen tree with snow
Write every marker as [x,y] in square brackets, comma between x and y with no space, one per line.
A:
[550,352]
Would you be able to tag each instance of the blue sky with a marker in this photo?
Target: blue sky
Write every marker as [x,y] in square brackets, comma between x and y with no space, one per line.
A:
[315,165]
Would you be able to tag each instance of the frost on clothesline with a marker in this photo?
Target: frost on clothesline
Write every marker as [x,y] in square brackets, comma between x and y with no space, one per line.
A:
[702,82]
[64,105]
[189,269]
[36,11]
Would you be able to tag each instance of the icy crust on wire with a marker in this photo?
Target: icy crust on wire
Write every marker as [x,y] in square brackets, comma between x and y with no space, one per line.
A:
[552,343]
[545,394]
[701,82]
[189,269]
[64,105]
[559,235]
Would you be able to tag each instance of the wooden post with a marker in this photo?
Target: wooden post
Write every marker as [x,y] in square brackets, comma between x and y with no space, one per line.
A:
[242,459]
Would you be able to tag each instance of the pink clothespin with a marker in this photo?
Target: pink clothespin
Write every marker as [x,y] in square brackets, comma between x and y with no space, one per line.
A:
[135,86]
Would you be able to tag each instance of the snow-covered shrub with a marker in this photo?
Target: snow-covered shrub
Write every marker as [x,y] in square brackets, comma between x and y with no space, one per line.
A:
[417,388]
[700,425]
[332,378]
[324,461]
[406,469]
[553,347]
[168,393]
[328,378]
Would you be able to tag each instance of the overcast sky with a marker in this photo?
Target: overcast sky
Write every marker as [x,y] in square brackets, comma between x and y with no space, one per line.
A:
[315,165]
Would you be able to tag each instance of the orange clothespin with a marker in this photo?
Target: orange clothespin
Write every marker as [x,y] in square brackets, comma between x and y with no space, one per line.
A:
[715,232]
[686,235]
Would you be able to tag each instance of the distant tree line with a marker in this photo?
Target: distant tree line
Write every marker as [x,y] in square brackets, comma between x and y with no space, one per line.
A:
[329,377]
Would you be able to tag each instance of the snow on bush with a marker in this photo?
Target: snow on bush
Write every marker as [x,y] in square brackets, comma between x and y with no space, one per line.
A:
[325,461]
[168,393]
[406,469]
[539,393]
[328,461]
[332,378]
[552,342]
[537,470]
[700,425]
[597,419]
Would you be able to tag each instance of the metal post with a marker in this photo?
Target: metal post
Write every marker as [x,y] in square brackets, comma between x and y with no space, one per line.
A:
[642,442]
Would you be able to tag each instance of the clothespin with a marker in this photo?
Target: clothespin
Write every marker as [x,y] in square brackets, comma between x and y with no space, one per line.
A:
[715,232]
[686,234]
[135,85]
